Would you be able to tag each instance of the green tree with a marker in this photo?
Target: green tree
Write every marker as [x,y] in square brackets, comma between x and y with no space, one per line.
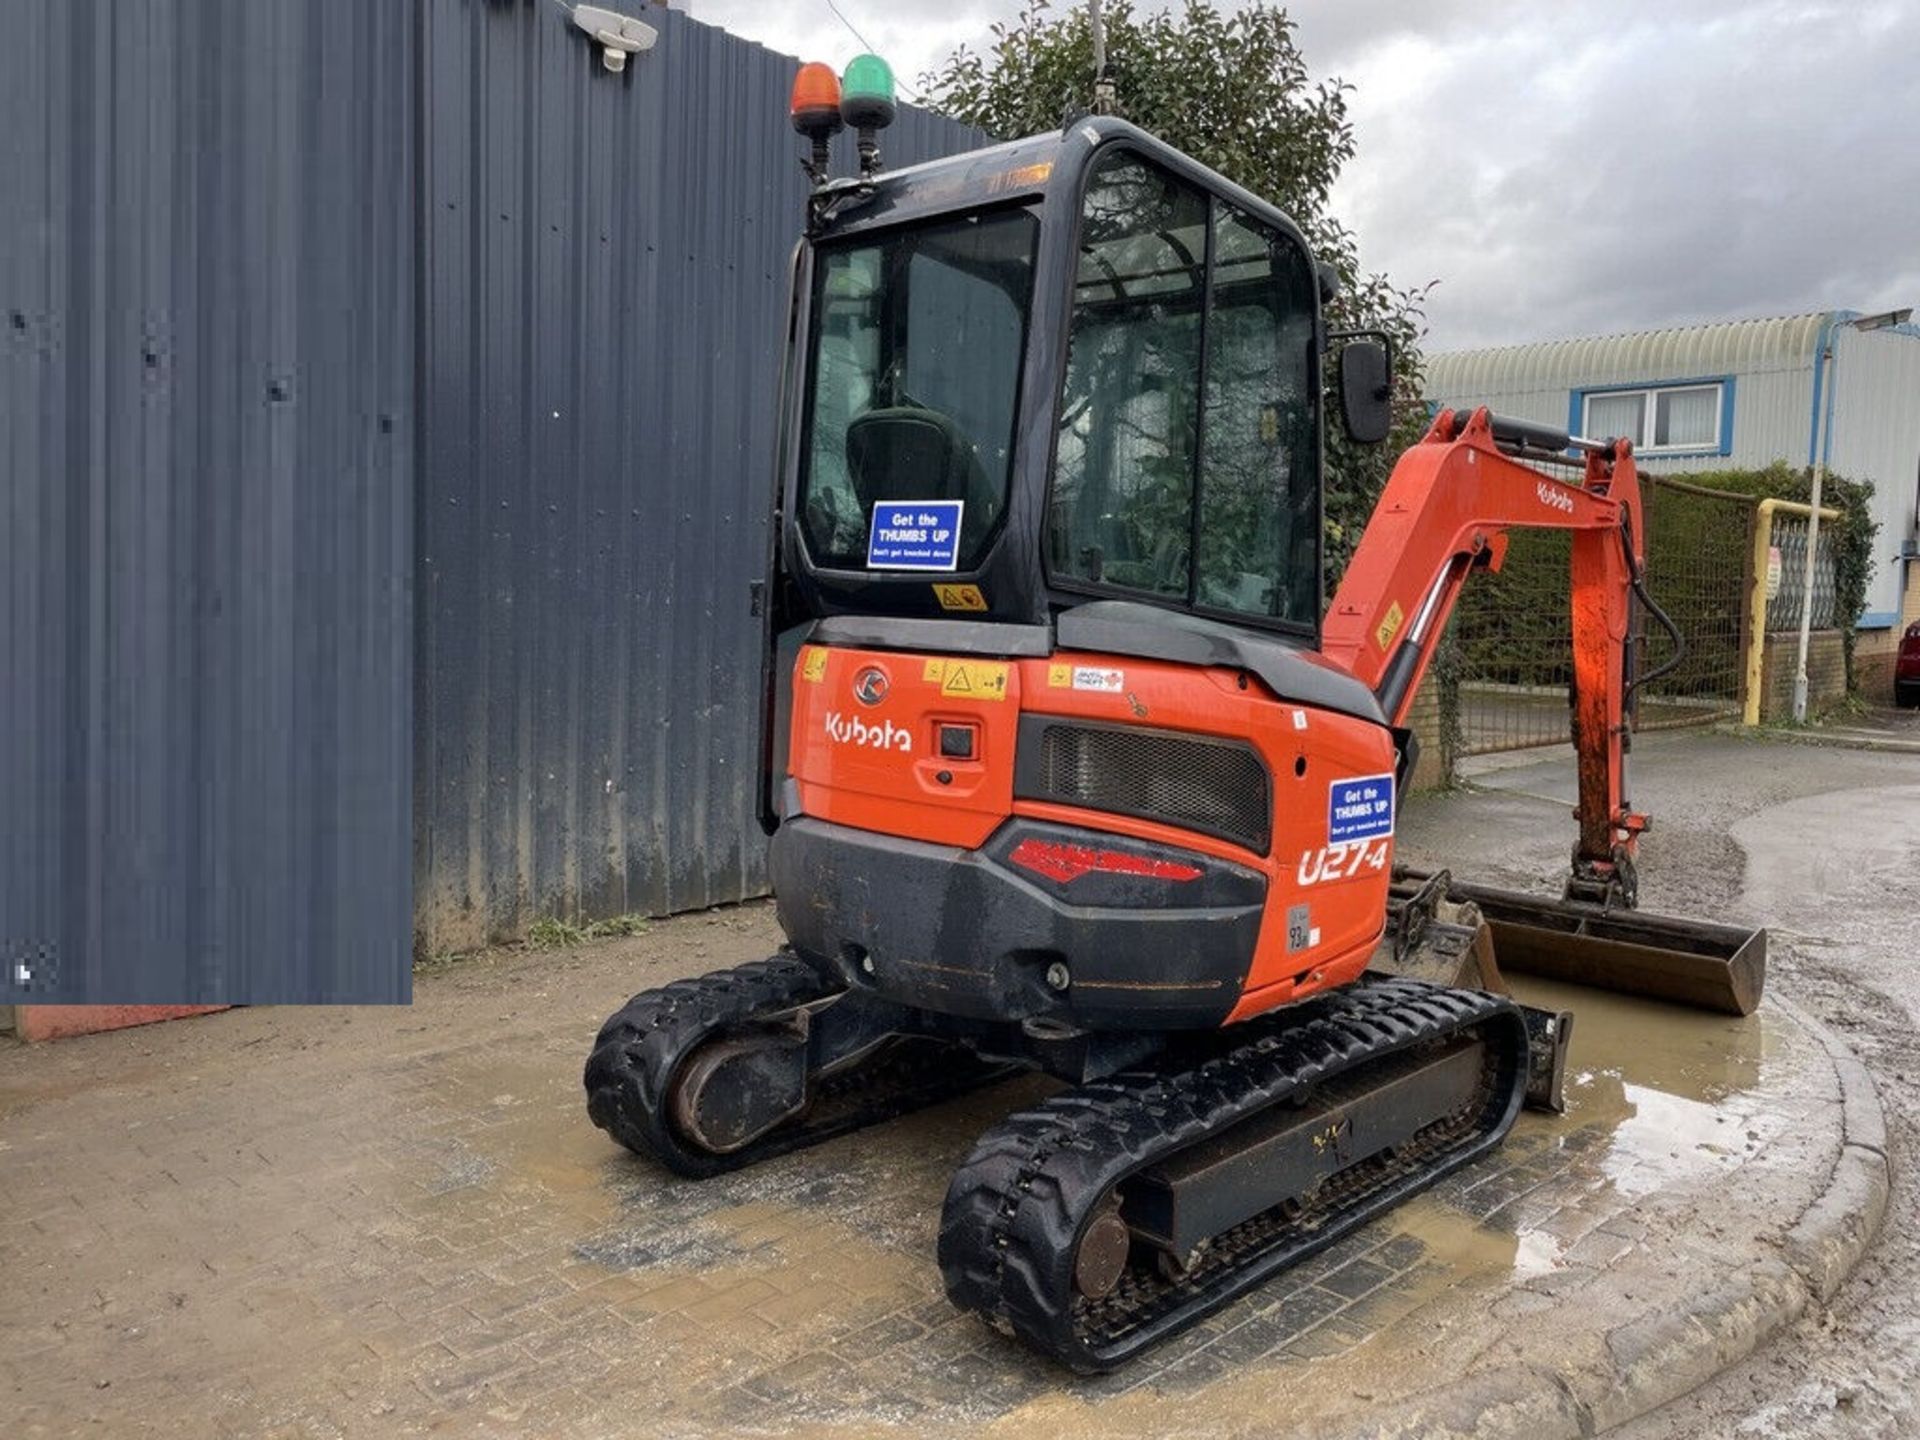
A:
[1231,90]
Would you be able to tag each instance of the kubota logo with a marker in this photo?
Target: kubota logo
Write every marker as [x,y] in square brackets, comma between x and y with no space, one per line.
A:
[870,686]
[1554,496]
[855,731]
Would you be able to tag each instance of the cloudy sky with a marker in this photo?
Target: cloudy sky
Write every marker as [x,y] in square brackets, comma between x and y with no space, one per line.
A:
[1569,167]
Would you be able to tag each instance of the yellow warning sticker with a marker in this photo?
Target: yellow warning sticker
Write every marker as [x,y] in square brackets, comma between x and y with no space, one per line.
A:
[960,597]
[934,670]
[1389,626]
[973,679]
[1060,677]
[813,664]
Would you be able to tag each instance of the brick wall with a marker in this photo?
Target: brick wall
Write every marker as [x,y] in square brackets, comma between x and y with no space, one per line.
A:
[1873,655]
[1873,652]
[56,1022]
[1826,672]
[1424,721]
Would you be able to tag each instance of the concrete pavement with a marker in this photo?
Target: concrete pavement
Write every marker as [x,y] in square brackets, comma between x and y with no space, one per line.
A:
[320,1223]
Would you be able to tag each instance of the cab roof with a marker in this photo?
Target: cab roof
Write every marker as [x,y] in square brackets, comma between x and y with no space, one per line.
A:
[1037,167]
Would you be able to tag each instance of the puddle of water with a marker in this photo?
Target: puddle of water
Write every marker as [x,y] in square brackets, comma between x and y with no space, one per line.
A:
[1670,1138]
[1663,1083]
[1653,1100]
[1692,1054]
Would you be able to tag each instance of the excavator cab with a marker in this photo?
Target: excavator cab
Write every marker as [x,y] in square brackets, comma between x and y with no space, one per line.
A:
[1100,361]
[1068,767]
[1057,413]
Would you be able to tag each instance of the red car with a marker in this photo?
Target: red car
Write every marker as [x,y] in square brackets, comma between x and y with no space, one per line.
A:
[1906,668]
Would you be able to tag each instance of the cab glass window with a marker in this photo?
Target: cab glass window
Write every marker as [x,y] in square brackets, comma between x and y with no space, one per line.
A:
[917,344]
[1188,409]
[1122,494]
[1259,513]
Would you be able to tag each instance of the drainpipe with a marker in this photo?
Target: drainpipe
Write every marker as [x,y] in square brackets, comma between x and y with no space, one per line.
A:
[1813,539]
[1823,362]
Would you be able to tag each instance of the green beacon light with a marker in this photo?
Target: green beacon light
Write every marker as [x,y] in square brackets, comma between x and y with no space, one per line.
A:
[866,104]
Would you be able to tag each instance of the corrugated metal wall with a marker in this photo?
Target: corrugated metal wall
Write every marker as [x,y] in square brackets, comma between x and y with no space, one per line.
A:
[206,394]
[605,266]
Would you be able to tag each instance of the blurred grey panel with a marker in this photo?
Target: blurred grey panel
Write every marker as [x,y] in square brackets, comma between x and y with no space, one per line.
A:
[606,263]
[207,381]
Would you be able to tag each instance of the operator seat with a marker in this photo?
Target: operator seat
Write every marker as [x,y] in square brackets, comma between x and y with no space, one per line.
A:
[905,453]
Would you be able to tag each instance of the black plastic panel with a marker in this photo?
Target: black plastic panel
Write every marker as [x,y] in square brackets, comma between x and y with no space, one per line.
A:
[1195,782]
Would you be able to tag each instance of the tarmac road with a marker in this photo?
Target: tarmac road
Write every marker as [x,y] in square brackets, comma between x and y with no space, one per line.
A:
[1822,845]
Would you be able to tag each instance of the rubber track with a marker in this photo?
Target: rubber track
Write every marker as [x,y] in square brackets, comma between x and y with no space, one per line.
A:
[1015,1210]
[642,1045]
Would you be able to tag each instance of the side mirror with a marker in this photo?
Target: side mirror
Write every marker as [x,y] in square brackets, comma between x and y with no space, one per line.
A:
[1366,390]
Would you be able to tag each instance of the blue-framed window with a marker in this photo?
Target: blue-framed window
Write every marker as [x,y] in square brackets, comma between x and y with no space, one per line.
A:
[1673,417]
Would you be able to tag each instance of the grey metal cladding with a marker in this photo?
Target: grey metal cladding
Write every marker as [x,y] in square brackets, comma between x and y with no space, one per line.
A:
[386,404]
[206,417]
[605,260]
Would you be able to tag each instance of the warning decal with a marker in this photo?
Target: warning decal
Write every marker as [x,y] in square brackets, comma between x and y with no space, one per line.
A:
[814,664]
[960,597]
[1086,677]
[1389,625]
[969,679]
[1359,809]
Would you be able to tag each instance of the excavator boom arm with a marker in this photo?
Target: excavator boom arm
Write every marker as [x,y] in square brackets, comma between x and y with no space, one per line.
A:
[1446,511]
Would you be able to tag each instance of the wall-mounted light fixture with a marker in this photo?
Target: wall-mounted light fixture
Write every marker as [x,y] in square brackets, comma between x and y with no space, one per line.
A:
[617,35]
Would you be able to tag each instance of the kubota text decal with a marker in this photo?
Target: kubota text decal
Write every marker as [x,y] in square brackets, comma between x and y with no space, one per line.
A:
[852,730]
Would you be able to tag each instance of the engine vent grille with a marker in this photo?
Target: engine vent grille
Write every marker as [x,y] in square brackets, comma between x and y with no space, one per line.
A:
[1217,787]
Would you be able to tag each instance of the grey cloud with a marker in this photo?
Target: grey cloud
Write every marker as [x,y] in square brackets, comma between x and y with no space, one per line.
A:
[1579,166]
[1587,168]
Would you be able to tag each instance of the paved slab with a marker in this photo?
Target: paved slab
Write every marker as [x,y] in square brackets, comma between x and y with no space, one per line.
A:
[353,1222]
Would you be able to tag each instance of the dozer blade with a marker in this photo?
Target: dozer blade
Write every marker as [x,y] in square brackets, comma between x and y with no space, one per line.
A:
[1431,937]
[1659,957]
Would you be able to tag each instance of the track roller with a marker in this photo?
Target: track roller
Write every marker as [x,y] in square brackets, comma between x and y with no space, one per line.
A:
[725,1070]
[1117,1213]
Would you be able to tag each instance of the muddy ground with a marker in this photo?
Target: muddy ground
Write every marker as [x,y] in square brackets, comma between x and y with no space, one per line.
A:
[1823,846]
[384,1222]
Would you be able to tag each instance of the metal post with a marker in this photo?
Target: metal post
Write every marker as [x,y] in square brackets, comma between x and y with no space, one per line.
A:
[1754,639]
[1756,626]
[1103,95]
[1813,540]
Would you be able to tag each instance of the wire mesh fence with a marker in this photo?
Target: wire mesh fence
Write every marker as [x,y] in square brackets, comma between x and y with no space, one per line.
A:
[1699,548]
[1513,631]
[1789,554]
[1513,638]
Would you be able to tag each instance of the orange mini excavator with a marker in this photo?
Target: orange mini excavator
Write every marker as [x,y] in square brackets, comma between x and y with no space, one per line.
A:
[1071,773]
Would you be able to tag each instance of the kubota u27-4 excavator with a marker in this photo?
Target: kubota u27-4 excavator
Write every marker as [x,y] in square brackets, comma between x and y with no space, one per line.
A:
[1076,774]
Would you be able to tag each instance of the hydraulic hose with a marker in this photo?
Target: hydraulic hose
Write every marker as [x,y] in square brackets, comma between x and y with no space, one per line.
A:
[1666,667]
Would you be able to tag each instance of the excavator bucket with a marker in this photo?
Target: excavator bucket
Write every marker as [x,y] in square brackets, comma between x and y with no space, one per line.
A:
[1660,957]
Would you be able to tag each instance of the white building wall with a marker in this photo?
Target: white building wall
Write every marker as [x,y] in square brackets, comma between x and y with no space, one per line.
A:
[1771,363]
[1876,436]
